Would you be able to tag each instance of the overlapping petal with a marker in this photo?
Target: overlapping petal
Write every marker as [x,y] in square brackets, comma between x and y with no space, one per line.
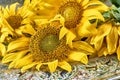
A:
[112,39]
[18,44]
[79,56]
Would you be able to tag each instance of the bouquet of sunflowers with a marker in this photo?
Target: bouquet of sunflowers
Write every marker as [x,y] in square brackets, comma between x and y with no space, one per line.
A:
[50,34]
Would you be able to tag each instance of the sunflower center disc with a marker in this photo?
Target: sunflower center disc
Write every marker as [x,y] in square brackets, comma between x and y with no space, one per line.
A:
[49,43]
[71,11]
[14,21]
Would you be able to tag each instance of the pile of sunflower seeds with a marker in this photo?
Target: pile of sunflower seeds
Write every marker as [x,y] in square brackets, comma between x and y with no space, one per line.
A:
[103,68]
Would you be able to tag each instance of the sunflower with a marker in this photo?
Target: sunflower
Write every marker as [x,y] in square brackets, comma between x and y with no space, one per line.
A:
[44,49]
[107,41]
[75,16]
[14,20]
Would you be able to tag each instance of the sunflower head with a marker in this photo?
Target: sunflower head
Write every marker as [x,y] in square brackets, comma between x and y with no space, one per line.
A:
[46,46]
[71,11]
[15,21]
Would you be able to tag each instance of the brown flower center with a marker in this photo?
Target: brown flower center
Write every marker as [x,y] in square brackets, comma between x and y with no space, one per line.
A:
[71,11]
[14,21]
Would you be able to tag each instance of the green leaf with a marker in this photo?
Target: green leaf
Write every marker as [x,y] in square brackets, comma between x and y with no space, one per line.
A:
[116,13]
[116,2]
[119,9]
[106,15]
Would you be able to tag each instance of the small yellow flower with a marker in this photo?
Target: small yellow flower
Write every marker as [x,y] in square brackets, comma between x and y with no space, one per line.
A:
[14,20]
[44,49]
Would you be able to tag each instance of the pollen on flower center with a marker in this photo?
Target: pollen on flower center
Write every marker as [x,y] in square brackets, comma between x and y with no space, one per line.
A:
[49,43]
[14,21]
[71,11]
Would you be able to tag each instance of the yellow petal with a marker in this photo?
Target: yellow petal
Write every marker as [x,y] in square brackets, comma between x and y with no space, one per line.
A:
[102,51]
[63,32]
[21,43]
[112,39]
[103,30]
[92,28]
[82,45]
[69,38]
[26,2]
[84,2]
[78,1]
[11,65]
[118,51]
[98,5]
[45,7]
[79,56]
[24,61]
[9,57]
[7,8]
[13,56]
[13,8]
[8,27]
[84,28]
[41,21]
[28,66]
[19,56]
[64,65]
[24,12]
[38,66]
[33,3]
[6,30]
[27,29]
[119,30]
[2,49]
[18,32]
[98,44]
[93,12]
[26,21]
[53,65]
[6,12]
[59,18]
